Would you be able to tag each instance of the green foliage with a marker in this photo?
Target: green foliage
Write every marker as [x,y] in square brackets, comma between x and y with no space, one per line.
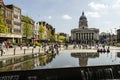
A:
[37,43]
[41,31]
[56,37]
[62,38]
[3,28]
[53,38]
[48,34]
[117,45]
[27,28]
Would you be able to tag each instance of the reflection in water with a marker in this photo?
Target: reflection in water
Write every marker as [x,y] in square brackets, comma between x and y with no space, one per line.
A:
[91,59]
[83,57]
[59,61]
[26,62]
[118,54]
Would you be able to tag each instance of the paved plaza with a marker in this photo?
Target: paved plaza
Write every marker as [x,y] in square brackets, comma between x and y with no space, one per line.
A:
[14,52]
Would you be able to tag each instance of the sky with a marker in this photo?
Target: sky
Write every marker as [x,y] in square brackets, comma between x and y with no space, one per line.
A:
[64,15]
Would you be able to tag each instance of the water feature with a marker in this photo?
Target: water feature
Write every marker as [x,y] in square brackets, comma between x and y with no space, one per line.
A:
[60,60]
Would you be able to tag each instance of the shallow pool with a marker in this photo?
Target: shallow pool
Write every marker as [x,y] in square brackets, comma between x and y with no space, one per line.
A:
[63,60]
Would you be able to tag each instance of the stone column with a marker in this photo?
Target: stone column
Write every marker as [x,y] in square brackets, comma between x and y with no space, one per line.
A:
[71,36]
[83,36]
[78,36]
[89,36]
[92,36]
[74,36]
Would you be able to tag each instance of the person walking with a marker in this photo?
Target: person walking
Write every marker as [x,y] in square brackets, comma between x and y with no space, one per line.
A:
[21,46]
[6,45]
[2,48]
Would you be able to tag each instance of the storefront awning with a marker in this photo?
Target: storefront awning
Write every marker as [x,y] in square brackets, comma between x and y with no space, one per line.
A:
[36,38]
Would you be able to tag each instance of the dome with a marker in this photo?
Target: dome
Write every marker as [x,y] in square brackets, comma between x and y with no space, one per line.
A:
[83,16]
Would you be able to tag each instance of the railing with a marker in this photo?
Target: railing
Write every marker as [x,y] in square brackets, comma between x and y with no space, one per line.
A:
[109,72]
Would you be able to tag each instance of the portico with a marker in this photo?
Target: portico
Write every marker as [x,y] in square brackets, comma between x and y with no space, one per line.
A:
[83,34]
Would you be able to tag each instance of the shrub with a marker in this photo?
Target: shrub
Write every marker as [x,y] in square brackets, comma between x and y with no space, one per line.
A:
[118,44]
[37,43]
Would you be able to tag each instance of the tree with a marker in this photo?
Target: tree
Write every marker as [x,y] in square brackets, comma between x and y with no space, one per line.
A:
[62,38]
[27,28]
[48,34]
[3,28]
[53,35]
[57,37]
[41,31]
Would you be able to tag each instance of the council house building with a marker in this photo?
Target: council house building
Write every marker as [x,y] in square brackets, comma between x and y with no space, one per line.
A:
[83,34]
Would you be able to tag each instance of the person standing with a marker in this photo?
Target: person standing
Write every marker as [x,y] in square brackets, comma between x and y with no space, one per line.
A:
[21,46]
[2,48]
[6,45]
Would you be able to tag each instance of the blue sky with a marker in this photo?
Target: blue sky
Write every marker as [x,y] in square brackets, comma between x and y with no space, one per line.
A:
[64,14]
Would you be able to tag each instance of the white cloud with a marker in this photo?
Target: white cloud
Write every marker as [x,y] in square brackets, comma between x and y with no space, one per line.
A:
[93,14]
[97,6]
[116,5]
[48,17]
[66,16]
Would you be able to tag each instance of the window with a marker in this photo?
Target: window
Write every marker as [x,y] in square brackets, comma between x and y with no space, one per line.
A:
[17,23]
[17,30]
[8,14]
[15,16]
[8,21]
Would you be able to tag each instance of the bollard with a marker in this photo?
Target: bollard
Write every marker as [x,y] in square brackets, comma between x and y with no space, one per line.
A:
[14,50]
[32,50]
[39,50]
[1,52]
[24,51]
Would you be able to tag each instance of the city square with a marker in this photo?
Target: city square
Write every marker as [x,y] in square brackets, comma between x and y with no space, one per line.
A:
[52,42]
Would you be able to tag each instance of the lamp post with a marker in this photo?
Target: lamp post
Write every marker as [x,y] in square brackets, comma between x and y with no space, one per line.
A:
[115,35]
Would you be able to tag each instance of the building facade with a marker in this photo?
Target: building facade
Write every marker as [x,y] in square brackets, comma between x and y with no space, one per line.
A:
[65,35]
[45,31]
[83,34]
[32,28]
[11,16]
[16,18]
[118,35]
[16,23]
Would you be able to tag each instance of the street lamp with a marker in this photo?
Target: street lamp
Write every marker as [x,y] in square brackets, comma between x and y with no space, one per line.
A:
[115,37]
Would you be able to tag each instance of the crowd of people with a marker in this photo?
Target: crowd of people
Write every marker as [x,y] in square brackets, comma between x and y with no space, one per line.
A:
[51,48]
[99,47]
[55,47]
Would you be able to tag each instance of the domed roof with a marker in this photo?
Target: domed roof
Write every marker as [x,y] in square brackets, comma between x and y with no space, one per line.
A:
[83,16]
